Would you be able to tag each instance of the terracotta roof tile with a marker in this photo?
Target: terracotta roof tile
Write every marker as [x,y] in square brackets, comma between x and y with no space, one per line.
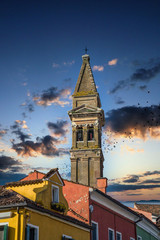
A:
[152,208]
[10,198]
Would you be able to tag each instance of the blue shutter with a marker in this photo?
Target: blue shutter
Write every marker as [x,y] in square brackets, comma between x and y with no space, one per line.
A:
[27,233]
[5,232]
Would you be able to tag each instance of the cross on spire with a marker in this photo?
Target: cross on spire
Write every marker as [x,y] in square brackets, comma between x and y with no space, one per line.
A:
[86,50]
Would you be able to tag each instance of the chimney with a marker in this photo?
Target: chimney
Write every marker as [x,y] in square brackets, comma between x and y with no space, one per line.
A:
[102,184]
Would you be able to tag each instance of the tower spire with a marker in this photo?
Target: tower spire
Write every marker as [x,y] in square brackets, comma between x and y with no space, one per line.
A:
[87,120]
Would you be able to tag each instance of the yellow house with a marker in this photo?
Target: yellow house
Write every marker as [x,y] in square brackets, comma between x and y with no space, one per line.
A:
[36,210]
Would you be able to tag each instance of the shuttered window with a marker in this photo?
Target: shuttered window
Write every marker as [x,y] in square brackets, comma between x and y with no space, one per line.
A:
[31,233]
[4,232]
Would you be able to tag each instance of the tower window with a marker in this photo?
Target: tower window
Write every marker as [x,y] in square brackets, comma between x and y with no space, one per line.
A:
[90,134]
[80,134]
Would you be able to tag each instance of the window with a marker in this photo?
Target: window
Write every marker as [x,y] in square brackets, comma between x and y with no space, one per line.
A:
[94,231]
[90,134]
[118,236]
[139,238]
[3,231]
[32,232]
[110,234]
[132,238]
[65,237]
[80,134]
[55,194]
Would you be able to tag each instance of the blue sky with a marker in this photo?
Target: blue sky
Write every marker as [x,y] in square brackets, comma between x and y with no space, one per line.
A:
[40,58]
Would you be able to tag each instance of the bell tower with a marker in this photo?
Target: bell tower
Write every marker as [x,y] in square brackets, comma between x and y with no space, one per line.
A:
[87,121]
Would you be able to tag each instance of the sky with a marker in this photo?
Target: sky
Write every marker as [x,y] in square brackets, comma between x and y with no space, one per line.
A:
[41,48]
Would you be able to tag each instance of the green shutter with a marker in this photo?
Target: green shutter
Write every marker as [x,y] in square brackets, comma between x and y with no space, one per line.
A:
[5,232]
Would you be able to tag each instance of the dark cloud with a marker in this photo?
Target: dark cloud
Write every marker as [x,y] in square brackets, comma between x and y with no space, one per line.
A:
[142,74]
[30,107]
[122,187]
[120,85]
[45,146]
[52,96]
[143,87]
[134,121]
[7,162]
[145,75]
[134,194]
[151,181]
[148,173]
[58,128]
[16,129]
[119,101]
[132,179]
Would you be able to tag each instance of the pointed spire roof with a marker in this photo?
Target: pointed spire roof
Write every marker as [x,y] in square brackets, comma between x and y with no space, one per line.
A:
[85,81]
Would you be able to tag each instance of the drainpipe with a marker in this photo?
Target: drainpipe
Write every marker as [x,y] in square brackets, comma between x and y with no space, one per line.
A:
[18,215]
[139,220]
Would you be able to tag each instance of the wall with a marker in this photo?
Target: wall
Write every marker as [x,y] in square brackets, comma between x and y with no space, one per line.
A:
[144,234]
[41,192]
[54,228]
[112,220]
[15,230]
[77,196]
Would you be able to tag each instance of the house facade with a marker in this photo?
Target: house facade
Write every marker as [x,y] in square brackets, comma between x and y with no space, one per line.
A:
[36,210]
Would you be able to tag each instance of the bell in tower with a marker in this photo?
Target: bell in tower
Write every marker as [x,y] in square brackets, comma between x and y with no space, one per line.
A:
[87,121]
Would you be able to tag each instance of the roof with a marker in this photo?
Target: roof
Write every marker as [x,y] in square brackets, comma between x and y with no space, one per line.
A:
[85,82]
[116,202]
[34,178]
[152,208]
[10,199]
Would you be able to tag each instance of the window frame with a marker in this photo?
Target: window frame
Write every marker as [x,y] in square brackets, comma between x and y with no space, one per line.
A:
[4,224]
[69,237]
[55,187]
[79,129]
[97,233]
[110,229]
[139,237]
[89,129]
[37,229]
[119,234]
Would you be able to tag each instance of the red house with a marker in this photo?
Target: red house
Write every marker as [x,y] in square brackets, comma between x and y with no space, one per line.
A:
[110,219]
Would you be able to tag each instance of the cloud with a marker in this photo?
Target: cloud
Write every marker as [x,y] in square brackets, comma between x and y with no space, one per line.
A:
[2,132]
[52,96]
[149,173]
[58,129]
[132,121]
[143,87]
[123,187]
[143,74]
[6,163]
[55,65]
[44,146]
[119,101]
[98,68]
[131,179]
[135,182]
[69,63]
[113,62]
[16,129]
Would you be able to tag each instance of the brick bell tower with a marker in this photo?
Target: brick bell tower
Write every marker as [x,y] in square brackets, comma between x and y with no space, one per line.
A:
[87,120]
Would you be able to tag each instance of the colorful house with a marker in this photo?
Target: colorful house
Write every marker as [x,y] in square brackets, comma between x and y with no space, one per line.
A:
[110,219]
[36,209]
